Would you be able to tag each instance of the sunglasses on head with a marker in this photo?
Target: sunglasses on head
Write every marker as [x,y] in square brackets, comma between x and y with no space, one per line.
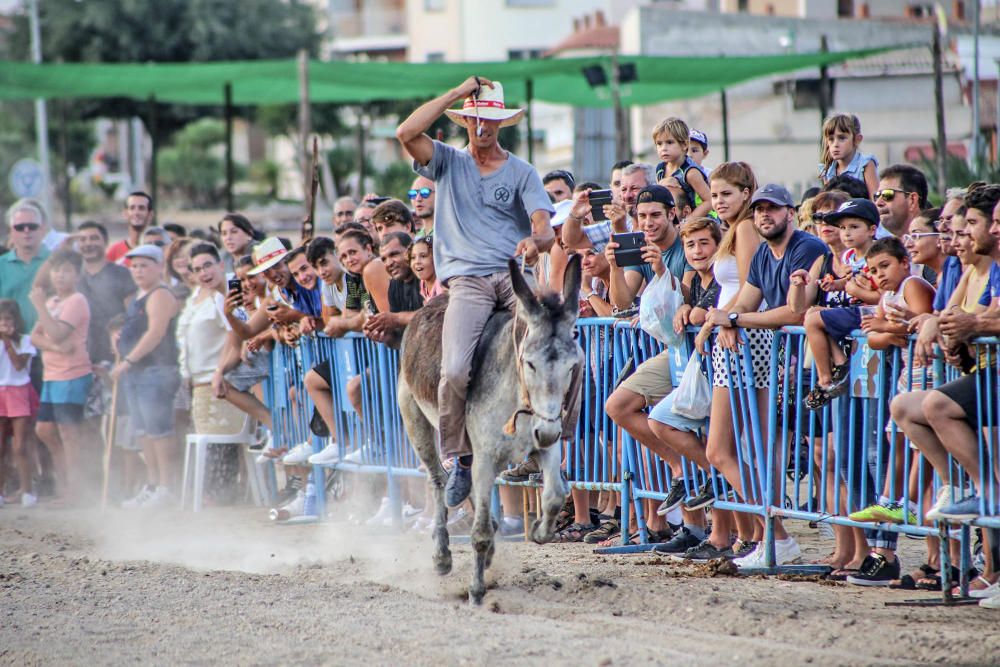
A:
[26,227]
[888,194]
[423,193]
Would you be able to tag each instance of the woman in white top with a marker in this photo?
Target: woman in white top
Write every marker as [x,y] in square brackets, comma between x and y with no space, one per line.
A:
[732,184]
[202,330]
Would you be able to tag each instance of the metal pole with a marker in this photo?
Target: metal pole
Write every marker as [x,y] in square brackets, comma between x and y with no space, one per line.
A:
[622,148]
[976,157]
[725,124]
[304,120]
[154,140]
[230,204]
[942,142]
[41,115]
[64,180]
[824,84]
[529,94]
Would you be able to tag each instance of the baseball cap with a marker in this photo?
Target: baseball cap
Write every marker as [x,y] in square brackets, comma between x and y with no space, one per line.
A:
[148,251]
[774,193]
[655,193]
[861,208]
[699,136]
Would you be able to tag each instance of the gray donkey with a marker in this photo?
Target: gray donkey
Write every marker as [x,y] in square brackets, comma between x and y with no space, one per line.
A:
[523,396]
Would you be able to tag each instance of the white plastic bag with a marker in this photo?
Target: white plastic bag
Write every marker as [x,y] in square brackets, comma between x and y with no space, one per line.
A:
[693,396]
[657,305]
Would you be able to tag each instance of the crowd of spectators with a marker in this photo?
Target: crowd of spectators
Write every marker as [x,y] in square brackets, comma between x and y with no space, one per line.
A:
[184,326]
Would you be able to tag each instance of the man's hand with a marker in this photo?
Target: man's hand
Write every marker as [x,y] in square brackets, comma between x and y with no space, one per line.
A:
[218,385]
[471,86]
[527,248]
[616,213]
[957,325]
[335,328]
[609,254]
[799,278]
[581,205]
[652,256]
[717,318]
[281,313]
[233,302]
[927,338]
[873,324]
[682,318]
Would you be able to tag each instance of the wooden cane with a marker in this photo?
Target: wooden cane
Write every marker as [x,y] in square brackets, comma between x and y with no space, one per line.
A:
[109,444]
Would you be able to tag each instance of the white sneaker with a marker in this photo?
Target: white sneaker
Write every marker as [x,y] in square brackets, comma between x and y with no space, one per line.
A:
[785,551]
[990,603]
[991,591]
[384,514]
[410,514]
[329,456]
[1,501]
[298,455]
[946,495]
[137,501]
[159,498]
[28,500]
[364,452]
[296,505]
[456,516]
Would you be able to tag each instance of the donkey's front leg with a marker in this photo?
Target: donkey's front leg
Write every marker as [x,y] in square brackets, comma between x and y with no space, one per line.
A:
[554,492]
[484,474]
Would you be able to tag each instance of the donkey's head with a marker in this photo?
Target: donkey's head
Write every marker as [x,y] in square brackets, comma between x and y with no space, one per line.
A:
[549,355]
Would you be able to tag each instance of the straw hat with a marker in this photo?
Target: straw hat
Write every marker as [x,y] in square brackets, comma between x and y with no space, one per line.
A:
[490,106]
[266,254]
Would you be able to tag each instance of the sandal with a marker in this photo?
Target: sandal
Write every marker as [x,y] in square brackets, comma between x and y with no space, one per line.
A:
[574,532]
[915,579]
[842,574]
[816,398]
[606,534]
[840,373]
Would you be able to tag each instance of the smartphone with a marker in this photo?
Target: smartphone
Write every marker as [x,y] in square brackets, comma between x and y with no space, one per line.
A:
[598,199]
[236,287]
[272,308]
[629,250]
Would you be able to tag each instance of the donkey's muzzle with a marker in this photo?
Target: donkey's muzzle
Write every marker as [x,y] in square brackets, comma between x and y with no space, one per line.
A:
[545,431]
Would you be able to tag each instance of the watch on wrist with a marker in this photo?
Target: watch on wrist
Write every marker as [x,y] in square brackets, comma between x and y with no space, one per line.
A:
[732,319]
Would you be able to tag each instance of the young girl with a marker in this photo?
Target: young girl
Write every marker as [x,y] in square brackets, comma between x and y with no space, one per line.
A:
[61,335]
[841,140]
[18,400]
[422,265]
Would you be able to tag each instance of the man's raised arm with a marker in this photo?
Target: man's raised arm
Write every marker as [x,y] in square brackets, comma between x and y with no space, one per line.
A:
[412,131]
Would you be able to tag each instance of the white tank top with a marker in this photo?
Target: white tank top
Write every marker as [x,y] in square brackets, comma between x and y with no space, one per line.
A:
[727,274]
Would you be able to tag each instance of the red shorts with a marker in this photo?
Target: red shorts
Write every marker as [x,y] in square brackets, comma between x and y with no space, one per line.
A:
[18,401]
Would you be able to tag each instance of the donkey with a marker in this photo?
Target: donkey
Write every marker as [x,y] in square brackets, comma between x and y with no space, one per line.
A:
[523,396]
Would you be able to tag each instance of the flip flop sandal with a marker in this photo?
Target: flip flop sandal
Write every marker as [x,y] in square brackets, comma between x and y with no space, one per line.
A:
[612,541]
[659,536]
[912,581]
[574,532]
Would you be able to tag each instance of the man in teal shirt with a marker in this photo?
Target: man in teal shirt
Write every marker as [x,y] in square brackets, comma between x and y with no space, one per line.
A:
[19,266]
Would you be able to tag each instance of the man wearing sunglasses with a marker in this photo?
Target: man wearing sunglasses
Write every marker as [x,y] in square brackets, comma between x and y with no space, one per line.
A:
[421,196]
[901,194]
[26,229]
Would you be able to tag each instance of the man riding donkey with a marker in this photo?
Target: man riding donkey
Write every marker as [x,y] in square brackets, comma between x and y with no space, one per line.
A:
[490,205]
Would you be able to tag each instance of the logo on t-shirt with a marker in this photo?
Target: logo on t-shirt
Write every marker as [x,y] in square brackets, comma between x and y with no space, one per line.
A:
[502,194]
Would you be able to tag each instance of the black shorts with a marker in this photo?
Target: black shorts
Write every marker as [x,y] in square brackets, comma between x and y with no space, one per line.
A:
[323,369]
[963,392]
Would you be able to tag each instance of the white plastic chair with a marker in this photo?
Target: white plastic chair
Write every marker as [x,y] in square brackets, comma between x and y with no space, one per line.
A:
[199,442]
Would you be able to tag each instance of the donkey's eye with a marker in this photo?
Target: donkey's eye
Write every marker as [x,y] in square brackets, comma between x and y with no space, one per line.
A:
[576,334]
[530,365]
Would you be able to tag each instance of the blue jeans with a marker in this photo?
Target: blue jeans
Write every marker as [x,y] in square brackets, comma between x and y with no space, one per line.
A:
[150,395]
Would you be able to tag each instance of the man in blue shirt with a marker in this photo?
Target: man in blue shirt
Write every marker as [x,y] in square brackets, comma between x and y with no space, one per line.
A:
[785,250]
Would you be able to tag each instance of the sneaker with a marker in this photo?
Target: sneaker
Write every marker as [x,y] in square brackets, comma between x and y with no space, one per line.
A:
[136,501]
[965,509]
[296,506]
[28,500]
[679,543]
[362,455]
[674,497]
[741,548]
[410,514]
[159,498]
[329,456]
[458,486]
[605,531]
[512,525]
[702,553]
[946,496]
[1,501]
[522,471]
[990,603]
[875,571]
[383,514]
[704,498]
[298,454]
[785,551]
[872,514]
[896,513]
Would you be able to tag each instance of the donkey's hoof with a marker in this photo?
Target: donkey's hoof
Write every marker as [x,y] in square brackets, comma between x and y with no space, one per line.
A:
[442,563]
[476,597]
[540,534]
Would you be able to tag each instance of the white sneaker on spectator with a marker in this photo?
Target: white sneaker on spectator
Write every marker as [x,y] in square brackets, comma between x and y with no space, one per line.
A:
[410,514]
[296,505]
[991,591]
[1,501]
[990,603]
[364,452]
[298,454]
[329,456]
[160,498]
[28,500]
[946,495]
[384,514]
[137,501]
[785,551]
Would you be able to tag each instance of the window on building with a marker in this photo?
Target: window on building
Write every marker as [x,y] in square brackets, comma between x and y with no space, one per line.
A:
[435,57]
[434,5]
[742,5]
[920,10]
[524,54]
[805,92]
[845,9]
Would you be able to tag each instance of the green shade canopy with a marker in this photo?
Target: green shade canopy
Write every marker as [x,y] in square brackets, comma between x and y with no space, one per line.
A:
[260,82]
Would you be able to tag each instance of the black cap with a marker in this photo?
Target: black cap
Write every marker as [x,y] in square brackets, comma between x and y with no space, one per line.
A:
[854,208]
[655,193]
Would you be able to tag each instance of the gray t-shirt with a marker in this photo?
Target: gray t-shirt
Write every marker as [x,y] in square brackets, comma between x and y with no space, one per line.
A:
[479,220]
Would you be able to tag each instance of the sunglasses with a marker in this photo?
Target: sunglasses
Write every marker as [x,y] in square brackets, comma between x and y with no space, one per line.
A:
[204,267]
[913,238]
[889,194]
[423,193]
[26,227]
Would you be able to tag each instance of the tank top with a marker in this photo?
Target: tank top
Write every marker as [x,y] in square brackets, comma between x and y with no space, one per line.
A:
[135,327]
[727,275]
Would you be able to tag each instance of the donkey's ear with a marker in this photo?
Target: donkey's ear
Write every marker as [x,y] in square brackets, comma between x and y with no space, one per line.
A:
[521,289]
[571,284]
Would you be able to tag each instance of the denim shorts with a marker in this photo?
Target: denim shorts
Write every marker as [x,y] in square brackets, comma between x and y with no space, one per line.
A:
[150,395]
[63,400]
[663,413]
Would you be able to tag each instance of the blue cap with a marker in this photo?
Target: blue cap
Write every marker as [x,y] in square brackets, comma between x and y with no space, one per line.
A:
[699,136]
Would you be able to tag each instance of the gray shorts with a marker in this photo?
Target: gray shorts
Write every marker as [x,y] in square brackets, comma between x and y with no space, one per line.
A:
[251,372]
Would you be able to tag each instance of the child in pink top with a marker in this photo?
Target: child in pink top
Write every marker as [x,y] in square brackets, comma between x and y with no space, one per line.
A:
[61,335]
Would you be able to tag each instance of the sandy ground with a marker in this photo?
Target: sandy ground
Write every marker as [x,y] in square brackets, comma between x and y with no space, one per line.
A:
[227,587]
